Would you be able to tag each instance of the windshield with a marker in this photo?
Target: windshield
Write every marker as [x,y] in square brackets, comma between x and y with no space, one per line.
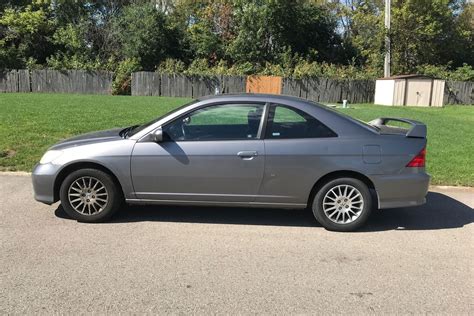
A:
[139,128]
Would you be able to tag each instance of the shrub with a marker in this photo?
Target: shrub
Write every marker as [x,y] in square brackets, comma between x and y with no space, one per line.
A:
[299,68]
[123,76]
[464,73]
[171,66]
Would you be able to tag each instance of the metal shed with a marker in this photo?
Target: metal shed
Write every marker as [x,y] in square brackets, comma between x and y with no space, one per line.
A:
[415,90]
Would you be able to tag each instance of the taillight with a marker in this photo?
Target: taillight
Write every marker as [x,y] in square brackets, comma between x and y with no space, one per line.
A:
[418,160]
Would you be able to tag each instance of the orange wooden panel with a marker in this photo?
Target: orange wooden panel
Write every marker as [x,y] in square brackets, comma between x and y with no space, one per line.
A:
[263,84]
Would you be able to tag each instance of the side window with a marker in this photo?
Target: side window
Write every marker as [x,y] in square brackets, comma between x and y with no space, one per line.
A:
[287,115]
[285,122]
[217,122]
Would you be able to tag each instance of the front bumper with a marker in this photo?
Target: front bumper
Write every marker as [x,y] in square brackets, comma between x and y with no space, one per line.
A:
[401,190]
[43,177]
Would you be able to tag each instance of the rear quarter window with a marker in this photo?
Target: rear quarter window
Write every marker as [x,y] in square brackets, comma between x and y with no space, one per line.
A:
[286,123]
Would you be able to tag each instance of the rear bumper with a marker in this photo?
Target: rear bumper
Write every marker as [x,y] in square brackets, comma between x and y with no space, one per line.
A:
[43,177]
[401,190]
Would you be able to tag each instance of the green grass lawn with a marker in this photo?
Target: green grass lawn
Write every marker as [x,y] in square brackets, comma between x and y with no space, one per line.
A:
[30,123]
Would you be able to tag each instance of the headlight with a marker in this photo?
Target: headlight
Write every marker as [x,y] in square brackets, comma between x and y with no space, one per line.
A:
[50,155]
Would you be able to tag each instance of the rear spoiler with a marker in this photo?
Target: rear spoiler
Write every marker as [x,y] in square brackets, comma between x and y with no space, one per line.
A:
[417,129]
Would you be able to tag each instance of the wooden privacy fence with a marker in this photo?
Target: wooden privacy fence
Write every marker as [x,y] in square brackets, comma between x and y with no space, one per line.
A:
[15,81]
[459,92]
[156,84]
[57,81]
[316,89]
[330,90]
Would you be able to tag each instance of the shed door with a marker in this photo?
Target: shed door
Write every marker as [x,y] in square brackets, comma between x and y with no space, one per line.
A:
[418,92]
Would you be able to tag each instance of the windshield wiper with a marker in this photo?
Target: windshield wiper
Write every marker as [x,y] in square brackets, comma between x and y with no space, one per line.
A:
[124,132]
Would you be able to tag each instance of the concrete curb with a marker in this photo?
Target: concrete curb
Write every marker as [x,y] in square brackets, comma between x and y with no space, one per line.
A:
[15,173]
[432,187]
[453,188]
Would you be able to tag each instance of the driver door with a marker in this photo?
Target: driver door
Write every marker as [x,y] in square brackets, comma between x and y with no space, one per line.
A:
[213,154]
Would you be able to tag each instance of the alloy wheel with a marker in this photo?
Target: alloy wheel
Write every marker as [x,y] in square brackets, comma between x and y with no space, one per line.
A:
[88,195]
[343,204]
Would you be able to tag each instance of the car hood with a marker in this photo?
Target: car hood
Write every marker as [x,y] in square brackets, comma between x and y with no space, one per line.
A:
[90,138]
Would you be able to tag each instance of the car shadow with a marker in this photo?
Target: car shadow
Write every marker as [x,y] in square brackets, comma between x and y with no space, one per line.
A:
[440,212]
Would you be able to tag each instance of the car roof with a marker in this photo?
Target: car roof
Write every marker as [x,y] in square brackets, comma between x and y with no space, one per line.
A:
[255,97]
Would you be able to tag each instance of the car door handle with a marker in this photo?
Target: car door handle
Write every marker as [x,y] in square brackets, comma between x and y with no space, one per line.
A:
[247,155]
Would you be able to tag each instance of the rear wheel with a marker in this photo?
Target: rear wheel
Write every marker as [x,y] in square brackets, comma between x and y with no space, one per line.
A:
[90,195]
[342,204]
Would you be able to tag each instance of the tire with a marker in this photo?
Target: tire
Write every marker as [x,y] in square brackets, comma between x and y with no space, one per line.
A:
[89,206]
[347,204]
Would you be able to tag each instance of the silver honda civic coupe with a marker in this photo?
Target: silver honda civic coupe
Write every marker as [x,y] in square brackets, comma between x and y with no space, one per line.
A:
[248,150]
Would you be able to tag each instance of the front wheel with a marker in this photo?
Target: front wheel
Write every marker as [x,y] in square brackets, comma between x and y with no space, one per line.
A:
[342,204]
[90,195]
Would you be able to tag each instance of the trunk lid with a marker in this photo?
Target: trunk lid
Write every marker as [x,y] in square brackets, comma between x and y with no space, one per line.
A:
[417,129]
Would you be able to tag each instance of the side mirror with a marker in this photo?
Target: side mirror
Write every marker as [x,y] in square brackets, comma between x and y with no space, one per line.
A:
[157,135]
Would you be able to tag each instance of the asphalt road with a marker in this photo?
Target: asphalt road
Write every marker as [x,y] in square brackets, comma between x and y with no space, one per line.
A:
[222,260]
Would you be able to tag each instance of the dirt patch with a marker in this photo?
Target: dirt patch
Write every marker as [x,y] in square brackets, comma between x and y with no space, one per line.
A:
[7,153]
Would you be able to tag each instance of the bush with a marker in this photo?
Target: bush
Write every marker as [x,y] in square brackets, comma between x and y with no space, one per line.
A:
[299,68]
[243,69]
[199,67]
[171,66]
[123,76]
[464,73]
[294,67]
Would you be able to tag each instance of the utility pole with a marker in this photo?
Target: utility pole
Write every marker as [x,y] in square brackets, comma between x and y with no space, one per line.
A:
[386,69]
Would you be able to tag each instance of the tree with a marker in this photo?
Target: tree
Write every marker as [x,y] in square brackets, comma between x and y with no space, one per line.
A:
[243,36]
[422,32]
[25,36]
[145,34]
[253,41]
[267,29]
[13,4]
[365,32]
[86,36]
[206,26]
